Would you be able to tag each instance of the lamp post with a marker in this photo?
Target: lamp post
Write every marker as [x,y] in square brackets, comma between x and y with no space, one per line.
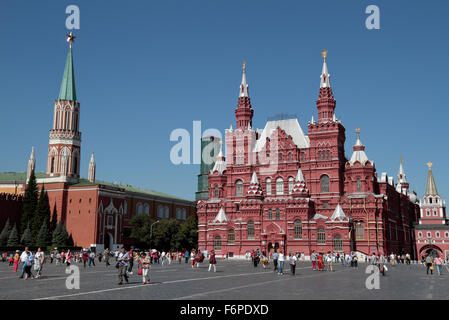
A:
[151,231]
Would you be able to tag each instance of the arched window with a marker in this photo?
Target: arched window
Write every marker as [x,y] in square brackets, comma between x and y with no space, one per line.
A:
[289,156]
[324,183]
[290,185]
[321,237]
[360,231]
[146,208]
[437,234]
[270,214]
[217,243]
[280,157]
[278,214]
[139,208]
[125,208]
[217,192]
[338,245]
[239,188]
[268,187]
[328,155]
[279,186]
[52,166]
[250,230]
[231,236]
[359,185]
[319,155]
[298,229]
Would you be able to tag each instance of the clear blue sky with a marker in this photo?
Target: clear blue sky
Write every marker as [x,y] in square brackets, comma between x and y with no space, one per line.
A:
[145,68]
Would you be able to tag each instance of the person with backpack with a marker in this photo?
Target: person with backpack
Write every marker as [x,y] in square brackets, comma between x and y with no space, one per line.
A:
[429,264]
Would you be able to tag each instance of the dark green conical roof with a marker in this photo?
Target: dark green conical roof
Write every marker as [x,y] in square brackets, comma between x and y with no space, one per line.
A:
[68,91]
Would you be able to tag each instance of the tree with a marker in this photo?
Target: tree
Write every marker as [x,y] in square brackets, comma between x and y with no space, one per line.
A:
[42,213]
[29,202]
[43,237]
[54,219]
[27,237]
[60,236]
[165,235]
[5,234]
[13,239]
[188,233]
[141,231]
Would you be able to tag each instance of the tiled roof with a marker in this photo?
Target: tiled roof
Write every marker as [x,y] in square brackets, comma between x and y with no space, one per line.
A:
[21,177]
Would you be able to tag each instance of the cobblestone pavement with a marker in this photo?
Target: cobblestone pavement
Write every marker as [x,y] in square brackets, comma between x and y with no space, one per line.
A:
[234,280]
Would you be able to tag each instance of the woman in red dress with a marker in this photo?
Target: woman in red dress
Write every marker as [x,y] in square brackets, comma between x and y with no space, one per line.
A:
[320,262]
[212,260]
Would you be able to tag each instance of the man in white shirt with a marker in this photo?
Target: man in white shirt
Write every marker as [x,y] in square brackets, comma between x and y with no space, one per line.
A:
[23,258]
[281,263]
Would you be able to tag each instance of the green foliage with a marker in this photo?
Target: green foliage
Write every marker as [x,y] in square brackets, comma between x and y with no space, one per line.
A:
[30,200]
[27,238]
[13,239]
[43,237]
[168,234]
[5,234]
[60,236]
[42,213]
[54,219]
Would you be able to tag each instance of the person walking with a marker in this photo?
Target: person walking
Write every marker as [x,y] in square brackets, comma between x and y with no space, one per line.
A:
[292,259]
[85,257]
[122,264]
[438,263]
[163,258]
[106,257]
[39,259]
[16,260]
[275,261]
[186,256]
[23,259]
[281,259]
[429,264]
[212,260]
[329,262]
[313,257]
[91,259]
[144,262]
[131,260]
[69,257]
[192,258]
[27,265]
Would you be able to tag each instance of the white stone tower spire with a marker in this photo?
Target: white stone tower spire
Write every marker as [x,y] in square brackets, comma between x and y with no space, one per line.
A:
[31,164]
[244,84]
[92,167]
[325,76]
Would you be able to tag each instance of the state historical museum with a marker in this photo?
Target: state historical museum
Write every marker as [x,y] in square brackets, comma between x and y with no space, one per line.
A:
[280,189]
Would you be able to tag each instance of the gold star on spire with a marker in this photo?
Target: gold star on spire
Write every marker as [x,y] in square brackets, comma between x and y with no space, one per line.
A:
[429,164]
[70,38]
[244,66]
[324,54]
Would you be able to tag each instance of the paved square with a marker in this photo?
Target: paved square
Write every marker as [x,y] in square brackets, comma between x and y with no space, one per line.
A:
[233,280]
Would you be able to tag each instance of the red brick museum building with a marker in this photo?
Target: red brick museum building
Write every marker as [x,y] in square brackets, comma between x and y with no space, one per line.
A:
[280,189]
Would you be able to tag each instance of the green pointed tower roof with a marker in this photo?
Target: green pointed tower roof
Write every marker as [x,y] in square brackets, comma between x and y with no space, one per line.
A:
[68,91]
[431,189]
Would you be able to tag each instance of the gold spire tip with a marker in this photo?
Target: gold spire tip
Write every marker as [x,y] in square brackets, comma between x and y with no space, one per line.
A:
[70,38]
[429,164]
[244,66]
[324,54]
[357,130]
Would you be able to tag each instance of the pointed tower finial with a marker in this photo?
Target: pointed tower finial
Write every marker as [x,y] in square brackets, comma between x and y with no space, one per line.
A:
[244,84]
[70,38]
[431,188]
[324,54]
[31,164]
[92,168]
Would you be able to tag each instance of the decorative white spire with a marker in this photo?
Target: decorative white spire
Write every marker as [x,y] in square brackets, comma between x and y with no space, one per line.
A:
[254,179]
[220,164]
[31,164]
[334,118]
[300,176]
[244,85]
[359,151]
[338,214]
[92,167]
[325,76]
[221,216]
[312,121]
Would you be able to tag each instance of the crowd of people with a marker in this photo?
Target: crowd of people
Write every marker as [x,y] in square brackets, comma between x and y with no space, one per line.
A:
[125,260]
